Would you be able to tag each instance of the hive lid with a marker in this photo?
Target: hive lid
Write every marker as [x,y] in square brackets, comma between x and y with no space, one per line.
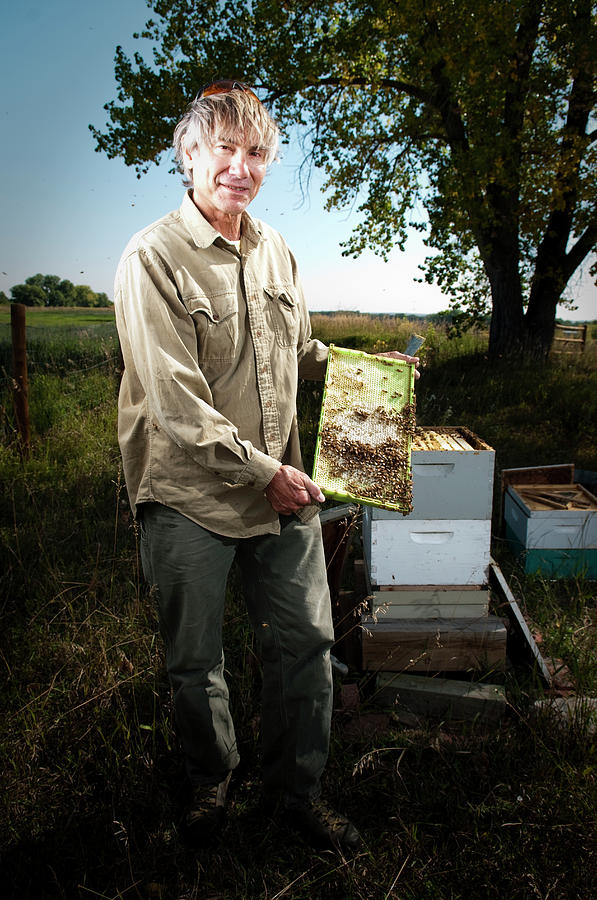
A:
[367,420]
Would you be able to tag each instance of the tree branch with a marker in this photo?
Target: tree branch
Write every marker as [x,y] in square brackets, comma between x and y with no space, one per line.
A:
[518,83]
[581,249]
[403,86]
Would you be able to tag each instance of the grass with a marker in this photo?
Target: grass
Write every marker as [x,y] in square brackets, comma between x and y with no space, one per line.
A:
[62,339]
[91,784]
[61,316]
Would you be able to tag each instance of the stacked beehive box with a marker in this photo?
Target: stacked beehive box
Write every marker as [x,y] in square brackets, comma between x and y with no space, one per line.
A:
[428,570]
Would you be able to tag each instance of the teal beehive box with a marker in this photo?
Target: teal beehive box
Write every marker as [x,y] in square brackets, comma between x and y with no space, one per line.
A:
[553,528]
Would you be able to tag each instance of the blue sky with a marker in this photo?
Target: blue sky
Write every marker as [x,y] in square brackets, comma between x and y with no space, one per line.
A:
[69,211]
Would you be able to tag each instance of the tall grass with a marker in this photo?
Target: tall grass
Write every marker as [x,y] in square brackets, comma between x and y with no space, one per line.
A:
[91,785]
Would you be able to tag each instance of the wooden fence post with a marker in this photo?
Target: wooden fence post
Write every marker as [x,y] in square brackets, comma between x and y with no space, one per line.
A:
[19,372]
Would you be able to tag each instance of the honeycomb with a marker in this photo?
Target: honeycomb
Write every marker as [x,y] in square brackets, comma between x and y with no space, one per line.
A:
[366,426]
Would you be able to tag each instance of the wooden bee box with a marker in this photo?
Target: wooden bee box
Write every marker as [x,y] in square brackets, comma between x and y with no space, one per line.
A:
[426,552]
[445,540]
[554,527]
[452,472]
[433,645]
[433,603]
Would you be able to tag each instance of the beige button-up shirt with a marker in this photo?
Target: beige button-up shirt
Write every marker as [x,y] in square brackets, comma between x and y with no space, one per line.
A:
[213,342]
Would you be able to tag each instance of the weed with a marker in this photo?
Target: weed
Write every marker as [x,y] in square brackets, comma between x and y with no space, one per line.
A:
[91,779]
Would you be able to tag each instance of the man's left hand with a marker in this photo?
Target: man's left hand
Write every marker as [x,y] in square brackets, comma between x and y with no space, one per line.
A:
[395,354]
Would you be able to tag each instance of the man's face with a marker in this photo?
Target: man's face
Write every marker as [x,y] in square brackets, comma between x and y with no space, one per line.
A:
[226,176]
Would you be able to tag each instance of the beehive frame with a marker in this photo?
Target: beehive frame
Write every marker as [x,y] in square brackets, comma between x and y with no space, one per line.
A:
[365,429]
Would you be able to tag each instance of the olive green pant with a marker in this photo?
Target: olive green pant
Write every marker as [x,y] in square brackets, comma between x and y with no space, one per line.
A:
[287,598]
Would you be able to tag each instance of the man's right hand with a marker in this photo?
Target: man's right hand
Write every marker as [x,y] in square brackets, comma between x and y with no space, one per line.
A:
[291,490]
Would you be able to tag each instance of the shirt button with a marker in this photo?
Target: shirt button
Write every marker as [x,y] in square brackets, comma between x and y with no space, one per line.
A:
[268,404]
[259,333]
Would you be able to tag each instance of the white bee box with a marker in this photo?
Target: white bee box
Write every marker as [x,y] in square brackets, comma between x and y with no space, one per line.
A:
[452,472]
[551,529]
[427,551]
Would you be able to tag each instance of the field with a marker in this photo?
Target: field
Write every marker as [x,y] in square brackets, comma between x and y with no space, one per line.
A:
[91,787]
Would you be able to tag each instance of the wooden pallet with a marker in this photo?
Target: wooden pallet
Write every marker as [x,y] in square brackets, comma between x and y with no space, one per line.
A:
[433,645]
[417,695]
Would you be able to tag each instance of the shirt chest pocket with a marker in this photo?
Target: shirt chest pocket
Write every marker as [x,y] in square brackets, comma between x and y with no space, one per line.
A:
[216,325]
[282,313]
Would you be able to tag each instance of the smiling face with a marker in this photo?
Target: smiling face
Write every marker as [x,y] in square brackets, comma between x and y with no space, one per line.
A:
[227,175]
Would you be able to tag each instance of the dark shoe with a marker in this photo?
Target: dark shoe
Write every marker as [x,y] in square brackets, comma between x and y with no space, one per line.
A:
[206,813]
[323,826]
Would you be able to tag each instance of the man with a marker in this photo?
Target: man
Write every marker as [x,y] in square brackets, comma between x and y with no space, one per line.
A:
[215,333]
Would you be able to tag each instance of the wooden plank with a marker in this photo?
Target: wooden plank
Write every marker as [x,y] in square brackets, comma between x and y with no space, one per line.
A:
[510,607]
[433,645]
[434,594]
[442,439]
[473,439]
[428,587]
[440,697]
[472,611]
[558,474]
[569,338]
[557,496]
[461,443]
[416,611]
[429,438]
[430,604]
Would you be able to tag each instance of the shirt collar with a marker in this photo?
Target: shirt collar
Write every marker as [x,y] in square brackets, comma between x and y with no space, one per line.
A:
[204,234]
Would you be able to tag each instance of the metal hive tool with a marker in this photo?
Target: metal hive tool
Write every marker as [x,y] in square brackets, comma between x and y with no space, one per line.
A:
[367,421]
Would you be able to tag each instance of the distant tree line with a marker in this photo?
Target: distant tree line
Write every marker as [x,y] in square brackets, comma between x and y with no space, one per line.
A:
[51,290]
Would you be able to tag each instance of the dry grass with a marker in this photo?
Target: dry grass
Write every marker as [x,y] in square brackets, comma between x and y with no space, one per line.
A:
[91,780]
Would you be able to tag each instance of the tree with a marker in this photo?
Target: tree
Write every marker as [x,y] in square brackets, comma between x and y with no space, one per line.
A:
[28,294]
[84,296]
[102,299]
[480,112]
[51,290]
[50,285]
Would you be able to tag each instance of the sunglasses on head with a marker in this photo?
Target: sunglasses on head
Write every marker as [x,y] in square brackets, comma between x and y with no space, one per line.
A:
[224,87]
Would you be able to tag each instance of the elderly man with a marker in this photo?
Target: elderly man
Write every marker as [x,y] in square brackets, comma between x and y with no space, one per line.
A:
[215,333]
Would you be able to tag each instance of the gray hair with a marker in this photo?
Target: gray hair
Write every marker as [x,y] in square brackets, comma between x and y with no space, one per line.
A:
[234,114]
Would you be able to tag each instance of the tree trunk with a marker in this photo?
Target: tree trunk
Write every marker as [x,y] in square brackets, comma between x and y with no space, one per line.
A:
[540,318]
[506,329]
[506,334]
